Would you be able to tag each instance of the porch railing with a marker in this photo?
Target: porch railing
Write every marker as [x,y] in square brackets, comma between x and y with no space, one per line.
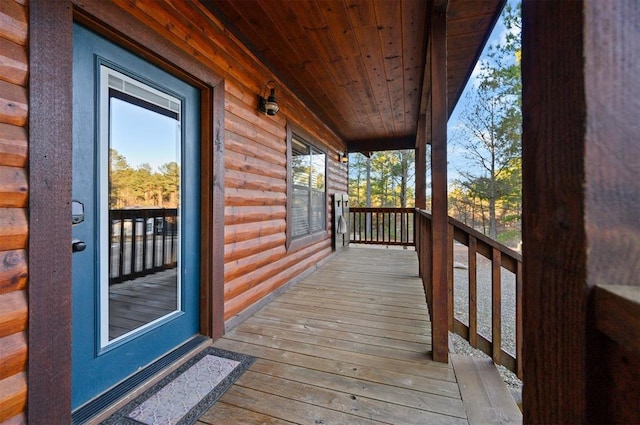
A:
[382,226]
[143,241]
[495,258]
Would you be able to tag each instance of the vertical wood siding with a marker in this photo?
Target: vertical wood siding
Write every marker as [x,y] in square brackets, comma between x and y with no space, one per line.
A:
[13,214]
[256,259]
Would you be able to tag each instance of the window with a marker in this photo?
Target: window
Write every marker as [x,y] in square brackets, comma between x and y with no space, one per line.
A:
[307,210]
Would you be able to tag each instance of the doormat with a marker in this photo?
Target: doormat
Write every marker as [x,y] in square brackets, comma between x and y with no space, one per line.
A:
[186,393]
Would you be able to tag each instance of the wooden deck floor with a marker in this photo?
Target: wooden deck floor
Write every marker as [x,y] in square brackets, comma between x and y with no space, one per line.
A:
[348,345]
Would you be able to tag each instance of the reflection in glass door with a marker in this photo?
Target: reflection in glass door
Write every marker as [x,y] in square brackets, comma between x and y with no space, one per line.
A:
[141,138]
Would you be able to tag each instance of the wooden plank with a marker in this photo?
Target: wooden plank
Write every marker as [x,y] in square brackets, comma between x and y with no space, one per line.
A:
[473,292]
[223,413]
[13,187]
[342,344]
[260,289]
[340,304]
[278,316]
[343,333]
[279,265]
[13,104]
[13,145]
[426,368]
[13,313]
[418,325]
[241,267]
[450,276]
[243,197]
[244,146]
[13,354]
[13,270]
[248,231]
[412,398]
[13,395]
[13,62]
[239,250]
[236,178]
[617,309]
[485,397]
[414,26]
[241,214]
[13,22]
[346,368]
[361,407]
[496,306]
[285,408]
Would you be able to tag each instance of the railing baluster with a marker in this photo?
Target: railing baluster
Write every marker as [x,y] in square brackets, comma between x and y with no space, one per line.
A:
[500,256]
[473,292]
[450,231]
[519,328]
[121,247]
[144,240]
[496,305]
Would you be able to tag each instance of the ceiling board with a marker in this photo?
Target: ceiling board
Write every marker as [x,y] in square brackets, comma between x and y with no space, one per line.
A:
[359,64]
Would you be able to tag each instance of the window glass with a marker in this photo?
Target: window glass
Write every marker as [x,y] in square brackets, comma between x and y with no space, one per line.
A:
[308,180]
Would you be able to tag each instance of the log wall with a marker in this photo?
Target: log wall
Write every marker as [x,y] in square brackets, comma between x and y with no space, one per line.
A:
[255,255]
[13,212]
[256,259]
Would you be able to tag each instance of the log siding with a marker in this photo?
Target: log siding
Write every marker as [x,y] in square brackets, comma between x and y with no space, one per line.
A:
[256,262]
[14,66]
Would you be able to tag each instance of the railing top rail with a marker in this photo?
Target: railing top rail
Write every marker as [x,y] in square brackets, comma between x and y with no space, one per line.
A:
[382,209]
[462,233]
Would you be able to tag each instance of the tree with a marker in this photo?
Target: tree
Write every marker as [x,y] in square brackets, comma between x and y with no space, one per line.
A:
[491,124]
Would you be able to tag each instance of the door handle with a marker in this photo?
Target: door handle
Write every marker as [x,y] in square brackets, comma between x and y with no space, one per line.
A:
[77,245]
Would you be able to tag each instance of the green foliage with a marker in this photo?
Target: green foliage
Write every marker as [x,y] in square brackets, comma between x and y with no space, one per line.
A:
[141,186]
[491,137]
[390,176]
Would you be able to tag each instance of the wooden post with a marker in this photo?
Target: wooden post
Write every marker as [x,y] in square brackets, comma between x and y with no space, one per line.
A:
[421,163]
[50,135]
[440,222]
[580,64]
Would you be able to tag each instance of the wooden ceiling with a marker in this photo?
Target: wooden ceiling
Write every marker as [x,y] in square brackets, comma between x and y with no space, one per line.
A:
[360,64]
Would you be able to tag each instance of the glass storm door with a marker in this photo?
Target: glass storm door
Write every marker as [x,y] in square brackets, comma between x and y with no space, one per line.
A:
[135,214]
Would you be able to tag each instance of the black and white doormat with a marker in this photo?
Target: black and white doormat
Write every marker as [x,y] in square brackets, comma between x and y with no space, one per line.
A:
[185,394]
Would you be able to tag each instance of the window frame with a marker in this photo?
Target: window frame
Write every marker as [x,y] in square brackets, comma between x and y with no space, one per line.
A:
[294,244]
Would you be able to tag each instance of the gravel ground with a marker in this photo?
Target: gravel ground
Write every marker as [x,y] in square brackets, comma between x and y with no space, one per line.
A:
[461,310]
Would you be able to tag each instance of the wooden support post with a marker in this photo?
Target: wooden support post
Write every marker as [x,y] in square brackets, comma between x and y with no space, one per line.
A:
[50,134]
[421,164]
[440,222]
[581,209]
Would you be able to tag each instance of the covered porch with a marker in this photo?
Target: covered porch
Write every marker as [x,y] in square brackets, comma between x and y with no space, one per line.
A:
[351,343]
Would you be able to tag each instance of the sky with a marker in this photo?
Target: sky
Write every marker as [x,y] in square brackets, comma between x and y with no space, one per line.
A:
[143,136]
[455,153]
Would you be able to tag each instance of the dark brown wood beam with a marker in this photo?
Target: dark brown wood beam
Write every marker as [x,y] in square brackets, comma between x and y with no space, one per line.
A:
[421,164]
[439,207]
[580,207]
[50,135]
[387,144]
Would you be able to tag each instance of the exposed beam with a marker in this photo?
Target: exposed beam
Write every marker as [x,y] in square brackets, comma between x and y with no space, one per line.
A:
[387,144]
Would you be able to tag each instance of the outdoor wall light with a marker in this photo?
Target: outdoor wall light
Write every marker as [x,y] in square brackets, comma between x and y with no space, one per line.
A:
[344,158]
[268,105]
